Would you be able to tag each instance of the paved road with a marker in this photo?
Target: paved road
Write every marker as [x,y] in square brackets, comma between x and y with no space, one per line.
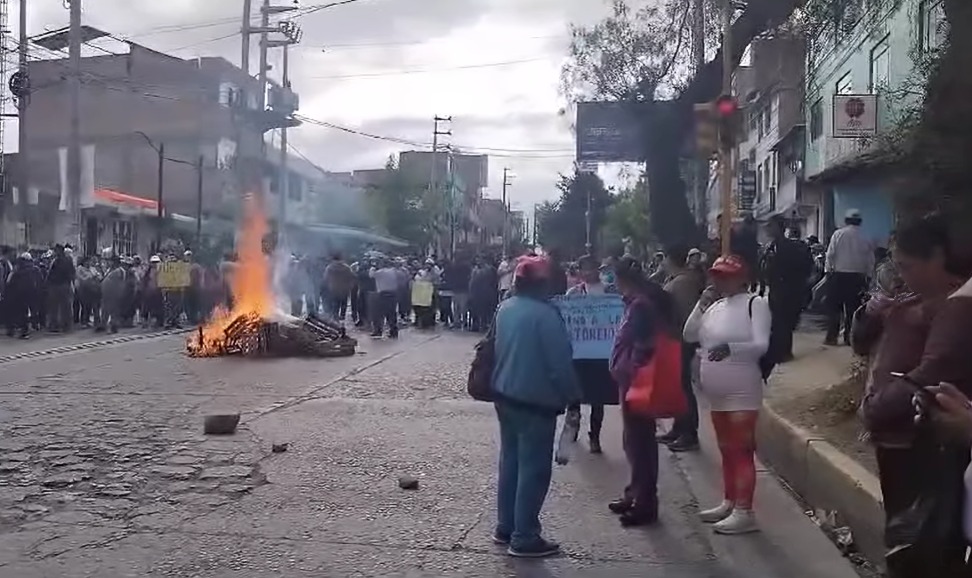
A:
[104,472]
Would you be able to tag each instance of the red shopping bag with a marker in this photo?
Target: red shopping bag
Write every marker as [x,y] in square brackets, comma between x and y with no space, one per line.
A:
[656,390]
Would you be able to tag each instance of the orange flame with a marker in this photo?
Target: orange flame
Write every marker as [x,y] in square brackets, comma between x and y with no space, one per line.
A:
[249,282]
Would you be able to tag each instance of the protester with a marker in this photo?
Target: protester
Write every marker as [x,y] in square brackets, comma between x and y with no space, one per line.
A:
[425,313]
[594,375]
[849,265]
[648,310]
[732,327]
[534,381]
[786,269]
[896,335]
[20,286]
[684,285]
[385,277]
[113,295]
[60,281]
[339,280]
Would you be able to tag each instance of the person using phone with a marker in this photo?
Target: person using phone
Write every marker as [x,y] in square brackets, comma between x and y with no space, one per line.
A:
[893,333]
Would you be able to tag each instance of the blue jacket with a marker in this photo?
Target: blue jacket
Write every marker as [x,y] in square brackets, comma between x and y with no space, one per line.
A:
[534,359]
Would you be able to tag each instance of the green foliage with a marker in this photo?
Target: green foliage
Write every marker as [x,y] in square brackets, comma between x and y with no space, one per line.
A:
[401,207]
[562,225]
[627,223]
[632,53]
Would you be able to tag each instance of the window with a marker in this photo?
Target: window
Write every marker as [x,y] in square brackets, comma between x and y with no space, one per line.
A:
[759,182]
[845,85]
[123,239]
[816,119]
[880,65]
[930,22]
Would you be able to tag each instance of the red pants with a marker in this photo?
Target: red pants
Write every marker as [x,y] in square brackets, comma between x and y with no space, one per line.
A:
[736,435]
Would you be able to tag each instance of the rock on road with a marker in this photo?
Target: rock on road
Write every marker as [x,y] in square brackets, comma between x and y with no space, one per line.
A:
[104,472]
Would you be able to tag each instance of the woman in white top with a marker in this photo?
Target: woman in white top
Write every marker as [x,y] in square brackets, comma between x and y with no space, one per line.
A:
[732,327]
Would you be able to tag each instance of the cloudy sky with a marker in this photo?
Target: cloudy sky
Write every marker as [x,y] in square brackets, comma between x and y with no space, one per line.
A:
[385,67]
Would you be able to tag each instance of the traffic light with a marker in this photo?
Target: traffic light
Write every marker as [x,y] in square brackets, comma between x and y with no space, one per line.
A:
[706,130]
[727,112]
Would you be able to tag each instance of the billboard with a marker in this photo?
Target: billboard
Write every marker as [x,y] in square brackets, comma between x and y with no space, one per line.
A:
[608,132]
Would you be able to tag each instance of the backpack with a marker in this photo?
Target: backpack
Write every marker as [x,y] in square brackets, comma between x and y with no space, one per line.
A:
[768,361]
[479,384]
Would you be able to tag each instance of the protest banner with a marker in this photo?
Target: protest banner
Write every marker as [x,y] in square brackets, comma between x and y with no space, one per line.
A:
[174,275]
[422,293]
[592,321]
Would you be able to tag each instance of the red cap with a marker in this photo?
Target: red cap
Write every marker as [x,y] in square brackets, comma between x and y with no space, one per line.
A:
[532,267]
[728,265]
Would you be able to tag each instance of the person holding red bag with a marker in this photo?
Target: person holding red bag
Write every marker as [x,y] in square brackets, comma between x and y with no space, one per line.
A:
[732,327]
[648,310]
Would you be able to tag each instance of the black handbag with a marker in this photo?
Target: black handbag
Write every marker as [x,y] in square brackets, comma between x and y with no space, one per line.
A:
[479,384]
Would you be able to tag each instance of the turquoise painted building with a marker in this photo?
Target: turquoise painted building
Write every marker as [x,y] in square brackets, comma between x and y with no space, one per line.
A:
[871,47]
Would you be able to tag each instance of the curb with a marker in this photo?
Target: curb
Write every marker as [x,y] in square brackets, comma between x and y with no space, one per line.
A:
[825,478]
[65,349]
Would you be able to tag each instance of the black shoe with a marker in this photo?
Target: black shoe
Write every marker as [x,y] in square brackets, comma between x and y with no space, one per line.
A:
[831,341]
[595,444]
[632,519]
[501,539]
[684,444]
[668,437]
[540,549]
[376,333]
[393,334]
[621,506]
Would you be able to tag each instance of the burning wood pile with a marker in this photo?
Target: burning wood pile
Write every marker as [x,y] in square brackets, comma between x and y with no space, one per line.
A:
[255,326]
[252,335]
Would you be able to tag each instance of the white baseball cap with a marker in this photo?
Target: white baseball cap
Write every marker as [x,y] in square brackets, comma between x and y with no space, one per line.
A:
[852,214]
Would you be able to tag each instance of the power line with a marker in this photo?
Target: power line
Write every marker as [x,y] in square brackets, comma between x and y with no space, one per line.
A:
[427,70]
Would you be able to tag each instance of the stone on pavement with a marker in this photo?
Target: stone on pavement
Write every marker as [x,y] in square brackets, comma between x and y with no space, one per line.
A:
[221,424]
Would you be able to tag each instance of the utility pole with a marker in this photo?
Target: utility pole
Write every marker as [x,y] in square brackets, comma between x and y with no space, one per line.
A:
[245,57]
[293,33]
[74,144]
[159,211]
[725,148]
[434,176]
[507,176]
[199,200]
[451,192]
[698,59]
[23,99]
[262,72]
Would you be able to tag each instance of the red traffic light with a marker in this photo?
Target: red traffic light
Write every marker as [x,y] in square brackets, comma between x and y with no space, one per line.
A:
[726,106]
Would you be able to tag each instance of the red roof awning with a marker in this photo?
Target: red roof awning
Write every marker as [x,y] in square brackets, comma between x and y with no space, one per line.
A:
[118,198]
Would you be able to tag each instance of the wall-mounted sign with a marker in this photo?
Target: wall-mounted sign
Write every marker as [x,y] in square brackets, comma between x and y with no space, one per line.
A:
[608,132]
[855,115]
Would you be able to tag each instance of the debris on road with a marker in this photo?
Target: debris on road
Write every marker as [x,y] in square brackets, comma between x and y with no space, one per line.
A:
[221,424]
[253,335]
[280,448]
[408,483]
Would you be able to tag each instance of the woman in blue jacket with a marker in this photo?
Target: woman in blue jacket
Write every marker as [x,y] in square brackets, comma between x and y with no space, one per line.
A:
[534,381]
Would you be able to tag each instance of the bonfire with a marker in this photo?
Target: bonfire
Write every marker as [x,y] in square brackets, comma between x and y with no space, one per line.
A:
[255,325]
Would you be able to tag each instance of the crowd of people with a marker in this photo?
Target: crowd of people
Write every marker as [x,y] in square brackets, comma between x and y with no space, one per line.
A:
[910,317]
[57,292]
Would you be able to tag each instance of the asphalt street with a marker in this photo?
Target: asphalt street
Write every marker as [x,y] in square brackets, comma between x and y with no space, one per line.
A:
[104,472]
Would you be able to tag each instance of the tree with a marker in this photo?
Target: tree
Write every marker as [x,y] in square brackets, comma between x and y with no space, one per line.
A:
[399,206]
[562,225]
[627,222]
[639,57]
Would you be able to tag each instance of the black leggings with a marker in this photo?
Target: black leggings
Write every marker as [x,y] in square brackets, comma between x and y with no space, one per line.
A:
[597,417]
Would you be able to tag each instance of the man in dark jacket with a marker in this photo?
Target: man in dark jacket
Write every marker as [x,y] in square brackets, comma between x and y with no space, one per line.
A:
[785,271]
[21,286]
[60,281]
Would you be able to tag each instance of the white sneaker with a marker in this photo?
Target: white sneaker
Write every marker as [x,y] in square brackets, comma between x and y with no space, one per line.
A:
[738,522]
[717,514]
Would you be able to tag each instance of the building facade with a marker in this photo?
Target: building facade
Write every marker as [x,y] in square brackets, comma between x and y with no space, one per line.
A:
[197,113]
[870,50]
